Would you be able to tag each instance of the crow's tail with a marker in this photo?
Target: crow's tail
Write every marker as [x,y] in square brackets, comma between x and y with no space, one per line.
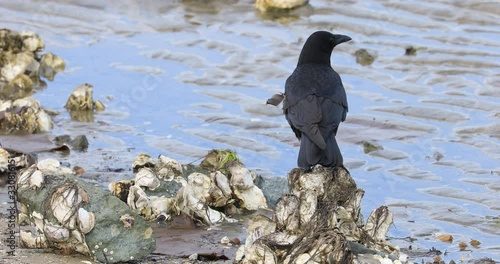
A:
[310,154]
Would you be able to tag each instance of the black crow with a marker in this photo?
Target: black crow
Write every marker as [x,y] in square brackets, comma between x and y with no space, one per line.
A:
[315,102]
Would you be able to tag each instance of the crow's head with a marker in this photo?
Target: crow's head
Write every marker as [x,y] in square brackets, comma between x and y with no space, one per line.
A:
[318,47]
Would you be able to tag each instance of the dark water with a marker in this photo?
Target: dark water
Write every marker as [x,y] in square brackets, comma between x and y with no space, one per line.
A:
[183,77]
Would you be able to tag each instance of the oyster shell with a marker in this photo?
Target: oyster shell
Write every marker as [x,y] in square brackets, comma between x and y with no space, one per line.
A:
[121,188]
[223,183]
[168,168]
[55,233]
[99,106]
[29,240]
[48,165]
[81,98]
[31,41]
[146,177]
[240,177]
[142,160]
[50,64]
[64,204]
[86,220]
[137,199]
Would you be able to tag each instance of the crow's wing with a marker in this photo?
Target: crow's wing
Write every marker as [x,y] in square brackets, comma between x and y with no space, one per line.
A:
[305,117]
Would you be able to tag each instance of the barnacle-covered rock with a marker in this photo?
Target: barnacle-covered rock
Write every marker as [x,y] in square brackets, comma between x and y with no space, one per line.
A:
[316,221]
[80,217]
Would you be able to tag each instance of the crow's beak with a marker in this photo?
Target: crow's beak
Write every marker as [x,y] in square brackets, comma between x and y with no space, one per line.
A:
[337,39]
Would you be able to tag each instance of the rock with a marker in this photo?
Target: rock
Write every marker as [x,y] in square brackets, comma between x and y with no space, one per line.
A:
[76,216]
[216,160]
[369,146]
[445,238]
[62,140]
[266,5]
[79,143]
[410,51]
[364,57]
[272,187]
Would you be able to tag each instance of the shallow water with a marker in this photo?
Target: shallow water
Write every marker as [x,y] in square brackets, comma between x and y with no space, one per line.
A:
[183,77]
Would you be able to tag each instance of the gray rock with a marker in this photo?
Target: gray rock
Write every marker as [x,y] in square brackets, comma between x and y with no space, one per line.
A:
[273,188]
[111,240]
[80,143]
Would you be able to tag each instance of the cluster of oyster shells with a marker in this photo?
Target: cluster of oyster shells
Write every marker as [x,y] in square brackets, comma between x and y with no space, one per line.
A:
[65,221]
[315,223]
[81,105]
[21,65]
[24,114]
[196,195]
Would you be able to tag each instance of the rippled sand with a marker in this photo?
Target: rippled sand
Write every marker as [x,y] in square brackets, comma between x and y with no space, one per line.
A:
[195,75]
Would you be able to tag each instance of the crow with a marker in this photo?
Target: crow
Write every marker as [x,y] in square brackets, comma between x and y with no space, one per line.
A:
[315,102]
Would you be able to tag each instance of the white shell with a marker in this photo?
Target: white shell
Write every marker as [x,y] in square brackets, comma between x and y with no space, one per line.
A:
[38,219]
[168,168]
[36,179]
[223,183]
[48,165]
[146,177]
[44,121]
[4,160]
[28,240]
[5,105]
[225,240]
[26,102]
[252,199]
[23,181]
[142,160]
[241,177]
[63,204]
[137,199]
[199,180]
[31,41]
[162,205]
[55,233]
[86,220]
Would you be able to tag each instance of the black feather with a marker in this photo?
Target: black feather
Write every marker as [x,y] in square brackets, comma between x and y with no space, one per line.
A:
[315,102]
